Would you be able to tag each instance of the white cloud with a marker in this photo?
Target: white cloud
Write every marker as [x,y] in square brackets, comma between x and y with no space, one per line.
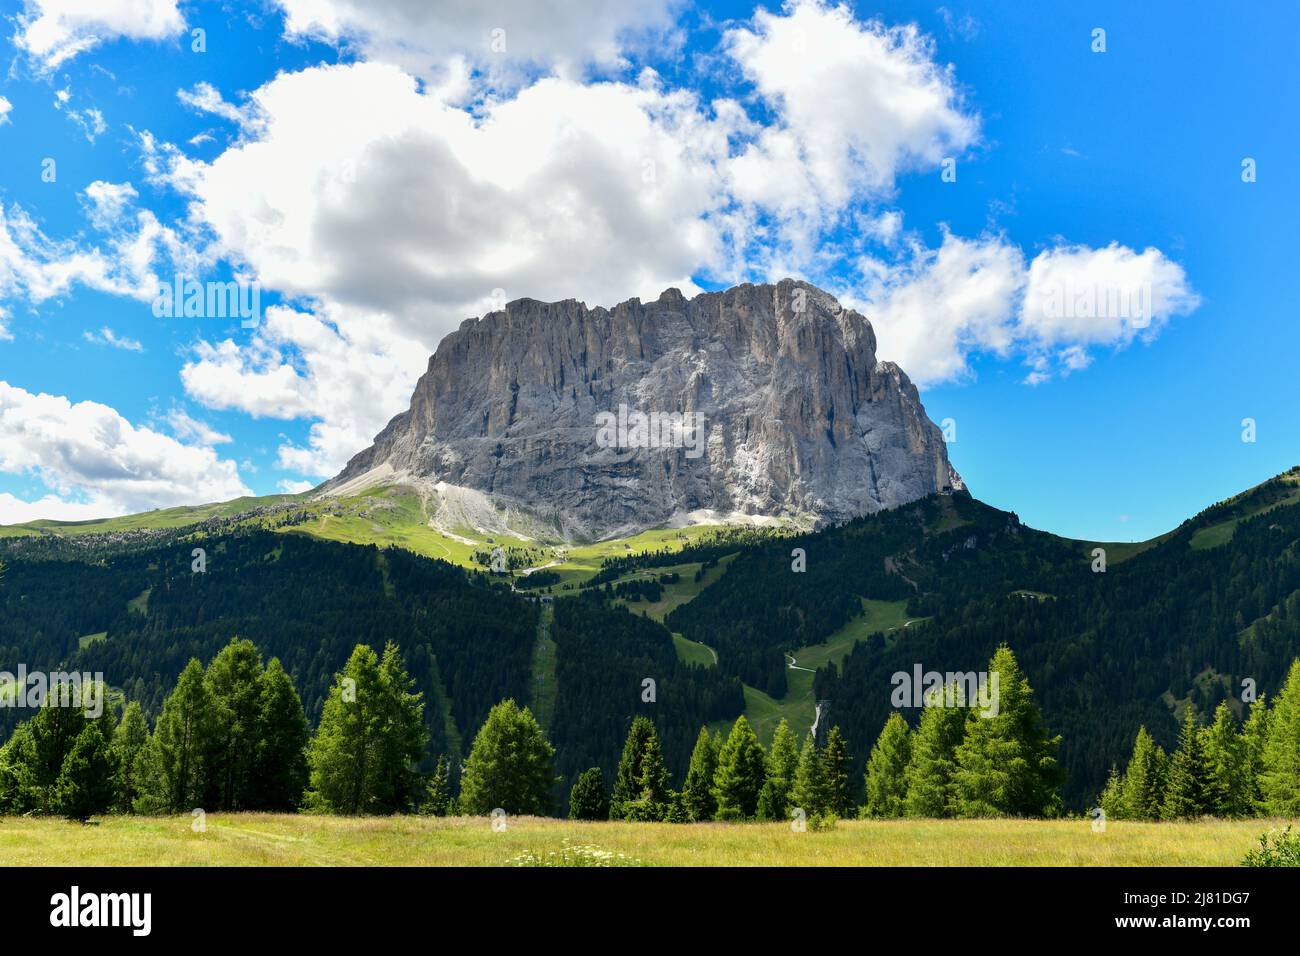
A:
[418,35]
[189,429]
[95,462]
[352,372]
[295,487]
[857,104]
[933,310]
[204,98]
[53,31]
[359,190]
[5,109]
[106,336]
[937,308]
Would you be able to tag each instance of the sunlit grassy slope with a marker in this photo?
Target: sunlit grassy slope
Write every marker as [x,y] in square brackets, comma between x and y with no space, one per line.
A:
[288,840]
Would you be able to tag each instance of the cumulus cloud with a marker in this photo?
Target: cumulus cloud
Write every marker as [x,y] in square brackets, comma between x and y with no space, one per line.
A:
[95,462]
[5,109]
[427,38]
[54,31]
[937,308]
[352,372]
[856,104]
[188,429]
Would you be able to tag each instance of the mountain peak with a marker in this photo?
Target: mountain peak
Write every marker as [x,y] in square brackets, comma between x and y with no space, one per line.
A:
[754,403]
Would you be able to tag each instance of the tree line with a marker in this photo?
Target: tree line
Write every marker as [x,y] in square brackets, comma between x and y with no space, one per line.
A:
[1222,769]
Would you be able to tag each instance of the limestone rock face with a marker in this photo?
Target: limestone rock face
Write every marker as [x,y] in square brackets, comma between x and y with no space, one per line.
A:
[537,407]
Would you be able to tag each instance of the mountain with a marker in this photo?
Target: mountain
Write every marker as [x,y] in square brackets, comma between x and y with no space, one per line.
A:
[761,402]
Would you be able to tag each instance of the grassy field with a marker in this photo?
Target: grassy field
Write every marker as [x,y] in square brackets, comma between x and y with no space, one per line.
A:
[287,840]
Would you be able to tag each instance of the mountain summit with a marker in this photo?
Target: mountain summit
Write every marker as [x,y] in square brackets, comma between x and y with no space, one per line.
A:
[759,403]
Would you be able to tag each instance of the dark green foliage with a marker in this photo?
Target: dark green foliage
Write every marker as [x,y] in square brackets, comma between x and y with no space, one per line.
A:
[808,793]
[587,799]
[837,787]
[603,655]
[509,766]
[437,796]
[183,741]
[1227,785]
[1187,793]
[1145,781]
[641,788]
[742,770]
[85,785]
[697,791]
[782,765]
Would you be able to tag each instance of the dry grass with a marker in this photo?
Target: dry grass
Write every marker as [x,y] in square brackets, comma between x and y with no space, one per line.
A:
[288,840]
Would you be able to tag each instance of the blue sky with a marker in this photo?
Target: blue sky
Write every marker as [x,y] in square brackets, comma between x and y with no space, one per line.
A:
[382,173]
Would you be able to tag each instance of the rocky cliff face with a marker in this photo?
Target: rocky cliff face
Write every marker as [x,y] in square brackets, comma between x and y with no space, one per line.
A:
[761,401]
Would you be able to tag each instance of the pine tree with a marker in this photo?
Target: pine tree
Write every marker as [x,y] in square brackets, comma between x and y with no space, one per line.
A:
[1006,763]
[654,797]
[631,779]
[1226,762]
[128,753]
[1145,779]
[836,781]
[1280,776]
[807,793]
[934,759]
[280,774]
[85,785]
[437,801]
[742,771]
[697,791]
[782,765]
[886,777]
[509,765]
[1187,792]
[587,799]
[181,743]
[1254,738]
[1112,797]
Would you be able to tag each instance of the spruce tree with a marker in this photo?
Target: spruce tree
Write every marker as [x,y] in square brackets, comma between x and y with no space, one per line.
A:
[1145,779]
[837,784]
[697,791]
[437,797]
[654,798]
[1280,775]
[1226,762]
[807,794]
[742,771]
[934,759]
[1006,763]
[128,756]
[587,799]
[509,765]
[627,780]
[85,785]
[782,765]
[886,777]
[1187,793]
[1112,797]
[53,731]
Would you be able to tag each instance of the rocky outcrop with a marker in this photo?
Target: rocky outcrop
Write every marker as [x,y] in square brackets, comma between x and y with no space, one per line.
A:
[762,401]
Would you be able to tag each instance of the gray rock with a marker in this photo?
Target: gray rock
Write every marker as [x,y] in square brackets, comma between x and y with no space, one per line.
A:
[800,421]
